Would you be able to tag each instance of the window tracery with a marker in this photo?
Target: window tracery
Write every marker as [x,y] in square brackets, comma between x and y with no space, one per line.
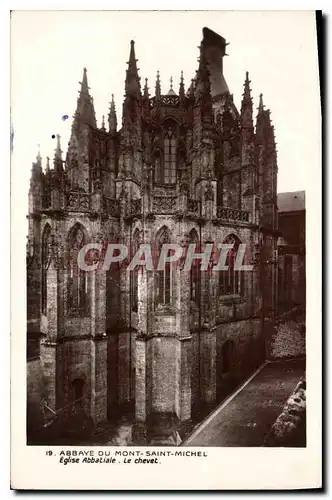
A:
[170,157]
[231,281]
[77,293]
[47,241]
[164,154]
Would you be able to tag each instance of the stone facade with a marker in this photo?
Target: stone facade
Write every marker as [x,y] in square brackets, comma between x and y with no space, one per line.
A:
[184,167]
[291,251]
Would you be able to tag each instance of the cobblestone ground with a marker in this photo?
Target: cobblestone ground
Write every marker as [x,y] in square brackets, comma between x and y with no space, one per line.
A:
[247,418]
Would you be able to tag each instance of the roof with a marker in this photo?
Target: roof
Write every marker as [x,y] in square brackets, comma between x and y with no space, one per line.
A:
[291,202]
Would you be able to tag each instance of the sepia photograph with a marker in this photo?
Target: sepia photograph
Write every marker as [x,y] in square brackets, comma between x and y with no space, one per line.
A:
[164,163]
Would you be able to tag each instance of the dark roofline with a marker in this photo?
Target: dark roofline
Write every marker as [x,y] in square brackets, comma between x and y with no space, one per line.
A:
[212,38]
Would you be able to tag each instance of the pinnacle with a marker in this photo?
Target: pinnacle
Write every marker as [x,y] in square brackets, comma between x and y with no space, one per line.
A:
[171,91]
[132,84]
[158,87]
[58,152]
[38,157]
[146,90]
[247,88]
[112,120]
[84,82]
[181,87]
[261,105]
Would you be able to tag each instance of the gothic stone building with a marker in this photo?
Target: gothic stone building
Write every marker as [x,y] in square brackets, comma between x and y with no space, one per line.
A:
[185,166]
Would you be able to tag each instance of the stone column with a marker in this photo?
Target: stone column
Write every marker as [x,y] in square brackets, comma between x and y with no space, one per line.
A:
[99,347]
[208,336]
[184,336]
[48,350]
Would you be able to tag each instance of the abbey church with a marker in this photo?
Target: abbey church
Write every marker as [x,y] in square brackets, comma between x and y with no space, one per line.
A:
[185,166]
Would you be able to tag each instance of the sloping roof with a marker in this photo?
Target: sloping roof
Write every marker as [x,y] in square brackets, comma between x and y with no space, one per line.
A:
[291,202]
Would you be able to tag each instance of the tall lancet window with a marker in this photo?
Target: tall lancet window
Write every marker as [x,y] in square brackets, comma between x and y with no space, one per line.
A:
[77,296]
[157,167]
[156,156]
[194,270]
[231,281]
[170,157]
[164,276]
[46,259]
[134,273]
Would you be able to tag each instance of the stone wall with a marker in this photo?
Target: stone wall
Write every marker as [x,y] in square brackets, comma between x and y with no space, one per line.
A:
[35,392]
[289,429]
[246,351]
[289,340]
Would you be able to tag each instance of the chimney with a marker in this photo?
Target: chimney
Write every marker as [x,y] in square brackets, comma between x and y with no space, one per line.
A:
[214,48]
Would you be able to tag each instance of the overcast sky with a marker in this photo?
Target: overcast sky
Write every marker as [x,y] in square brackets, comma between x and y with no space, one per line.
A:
[50,49]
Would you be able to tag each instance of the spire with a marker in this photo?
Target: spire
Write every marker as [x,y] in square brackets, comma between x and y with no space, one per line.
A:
[181,87]
[85,110]
[84,83]
[112,121]
[132,84]
[58,154]
[36,170]
[48,164]
[171,91]
[38,157]
[146,90]
[264,128]
[246,94]
[158,87]
[103,123]
[261,105]
[246,106]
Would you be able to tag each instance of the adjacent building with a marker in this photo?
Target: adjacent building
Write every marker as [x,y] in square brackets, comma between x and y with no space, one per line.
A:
[291,251]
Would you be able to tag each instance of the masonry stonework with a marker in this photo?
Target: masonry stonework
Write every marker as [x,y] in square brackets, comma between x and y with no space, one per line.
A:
[185,167]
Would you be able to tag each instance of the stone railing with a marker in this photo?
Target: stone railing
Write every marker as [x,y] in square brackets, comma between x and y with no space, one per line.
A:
[136,207]
[227,213]
[194,206]
[164,204]
[78,201]
[165,100]
[111,207]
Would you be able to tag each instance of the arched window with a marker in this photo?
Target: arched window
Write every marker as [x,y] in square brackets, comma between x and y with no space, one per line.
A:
[231,281]
[134,273]
[170,157]
[77,297]
[157,167]
[46,259]
[163,277]
[195,272]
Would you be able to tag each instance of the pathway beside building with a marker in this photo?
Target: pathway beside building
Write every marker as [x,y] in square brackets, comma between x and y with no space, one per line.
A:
[245,417]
